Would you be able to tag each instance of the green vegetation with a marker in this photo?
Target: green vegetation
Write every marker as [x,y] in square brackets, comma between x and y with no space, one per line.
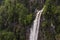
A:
[7,36]
[52,16]
[13,15]
[16,17]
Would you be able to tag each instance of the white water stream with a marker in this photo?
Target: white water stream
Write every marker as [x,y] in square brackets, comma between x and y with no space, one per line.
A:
[35,28]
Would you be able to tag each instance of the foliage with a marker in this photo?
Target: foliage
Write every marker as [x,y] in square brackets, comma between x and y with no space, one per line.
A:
[7,36]
[49,18]
[49,11]
[28,19]
[14,16]
[14,13]
[57,20]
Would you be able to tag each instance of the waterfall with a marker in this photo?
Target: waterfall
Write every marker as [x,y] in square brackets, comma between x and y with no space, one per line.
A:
[35,28]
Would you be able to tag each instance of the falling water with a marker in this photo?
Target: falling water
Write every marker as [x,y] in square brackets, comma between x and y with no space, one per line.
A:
[35,28]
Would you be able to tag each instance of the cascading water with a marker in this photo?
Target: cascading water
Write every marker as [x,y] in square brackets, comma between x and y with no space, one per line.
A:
[35,29]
